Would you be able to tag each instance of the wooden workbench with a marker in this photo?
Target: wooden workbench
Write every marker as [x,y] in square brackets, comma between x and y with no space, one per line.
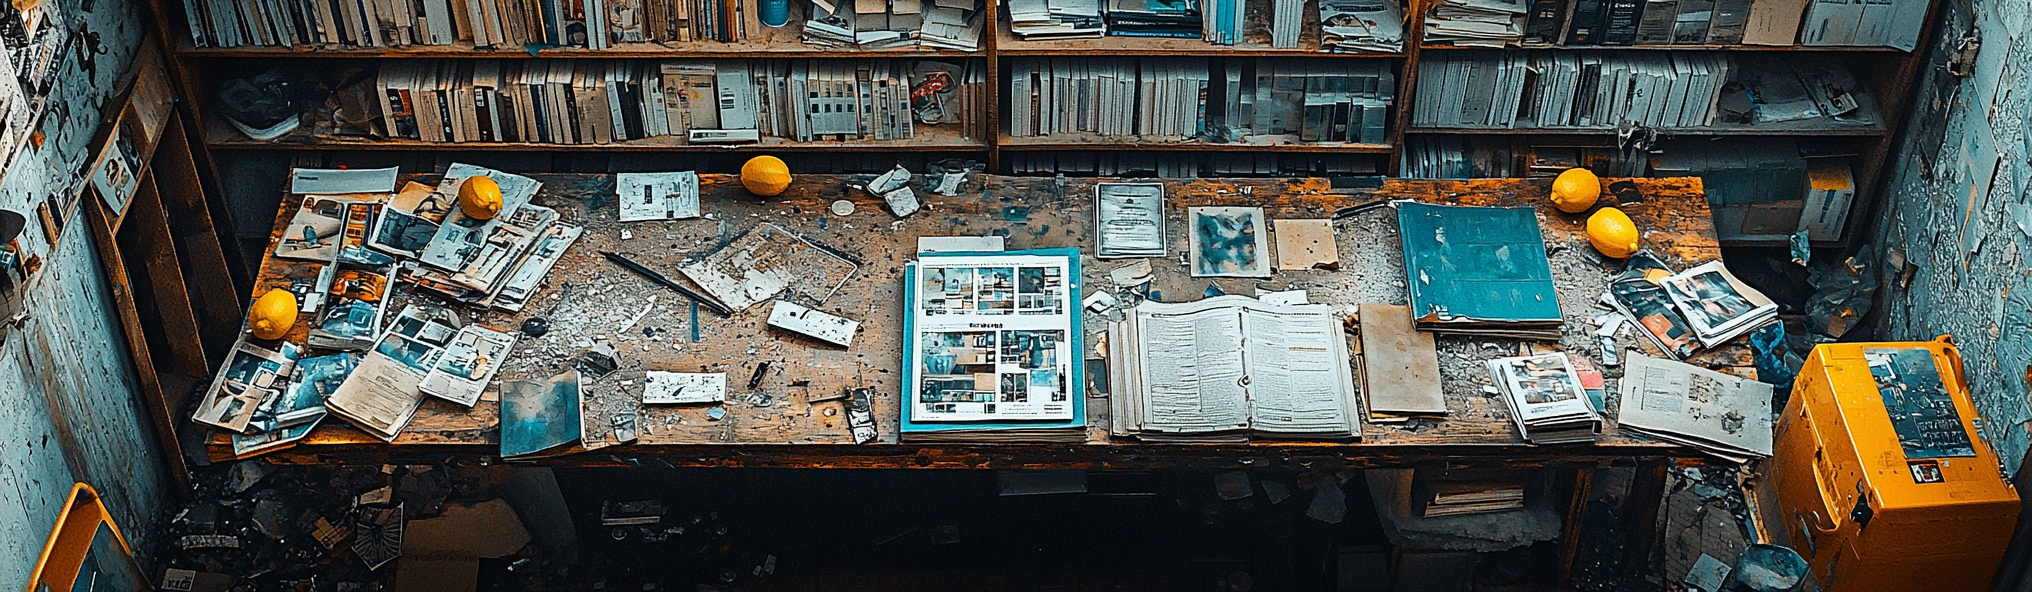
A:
[587,298]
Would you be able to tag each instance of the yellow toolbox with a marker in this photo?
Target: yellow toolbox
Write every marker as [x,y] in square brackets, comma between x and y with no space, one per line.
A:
[1883,482]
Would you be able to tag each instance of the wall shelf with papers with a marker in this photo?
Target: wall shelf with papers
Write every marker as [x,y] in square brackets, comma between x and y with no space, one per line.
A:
[223,137]
[772,48]
[1691,47]
[1091,142]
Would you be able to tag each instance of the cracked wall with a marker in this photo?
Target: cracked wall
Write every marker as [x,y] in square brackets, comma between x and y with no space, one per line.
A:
[1959,208]
[73,410]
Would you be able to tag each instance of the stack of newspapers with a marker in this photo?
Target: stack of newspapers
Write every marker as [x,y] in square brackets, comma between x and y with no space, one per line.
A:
[1545,398]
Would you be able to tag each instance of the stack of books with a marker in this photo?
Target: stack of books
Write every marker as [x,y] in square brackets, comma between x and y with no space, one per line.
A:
[1263,101]
[1108,96]
[1893,23]
[1361,26]
[1153,18]
[1544,397]
[1461,493]
[1475,23]
[591,24]
[1455,285]
[1055,19]
[612,101]
[1172,165]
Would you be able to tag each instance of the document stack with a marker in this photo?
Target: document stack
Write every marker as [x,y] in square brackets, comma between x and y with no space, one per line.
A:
[1476,23]
[1279,101]
[1361,26]
[1726,415]
[1545,399]
[1055,19]
[952,24]
[1227,368]
[1153,18]
[613,101]
[1454,288]
[1536,90]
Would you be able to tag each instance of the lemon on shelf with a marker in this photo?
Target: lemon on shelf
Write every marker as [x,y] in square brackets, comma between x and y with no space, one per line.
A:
[1576,190]
[1612,232]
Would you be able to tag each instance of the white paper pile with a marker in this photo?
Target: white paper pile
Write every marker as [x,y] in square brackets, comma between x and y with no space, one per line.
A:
[1727,416]
[1055,19]
[1361,26]
[1476,23]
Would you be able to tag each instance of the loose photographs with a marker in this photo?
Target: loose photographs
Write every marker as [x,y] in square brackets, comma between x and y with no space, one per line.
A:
[251,376]
[1228,242]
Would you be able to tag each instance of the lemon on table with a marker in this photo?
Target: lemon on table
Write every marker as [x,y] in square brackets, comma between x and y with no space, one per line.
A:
[1612,233]
[273,314]
[1576,190]
[480,197]
[765,175]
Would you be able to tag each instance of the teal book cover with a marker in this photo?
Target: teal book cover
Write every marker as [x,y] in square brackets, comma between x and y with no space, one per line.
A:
[1052,361]
[1477,263]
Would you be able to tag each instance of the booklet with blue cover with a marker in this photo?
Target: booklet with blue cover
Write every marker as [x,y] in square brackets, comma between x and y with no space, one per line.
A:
[992,347]
[1478,270]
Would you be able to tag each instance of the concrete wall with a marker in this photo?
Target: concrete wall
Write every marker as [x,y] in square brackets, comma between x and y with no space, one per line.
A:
[70,410]
[1960,209]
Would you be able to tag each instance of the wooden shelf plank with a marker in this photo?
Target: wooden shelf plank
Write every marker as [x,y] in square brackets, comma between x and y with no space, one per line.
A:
[1751,48]
[465,50]
[1100,142]
[928,139]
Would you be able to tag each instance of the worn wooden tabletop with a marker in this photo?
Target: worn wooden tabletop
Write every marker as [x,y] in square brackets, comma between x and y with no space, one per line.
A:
[777,424]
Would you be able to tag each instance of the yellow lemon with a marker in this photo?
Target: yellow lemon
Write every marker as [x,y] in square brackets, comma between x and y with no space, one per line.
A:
[1576,190]
[765,175]
[1612,233]
[273,314]
[480,197]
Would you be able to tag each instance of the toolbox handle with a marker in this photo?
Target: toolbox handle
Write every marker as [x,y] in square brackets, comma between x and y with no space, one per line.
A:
[1960,376]
[1823,516]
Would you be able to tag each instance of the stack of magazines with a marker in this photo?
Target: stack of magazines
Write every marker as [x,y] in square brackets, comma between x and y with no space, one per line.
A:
[1153,18]
[1545,399]
[1476,23]
[1681,312]
[1361,26]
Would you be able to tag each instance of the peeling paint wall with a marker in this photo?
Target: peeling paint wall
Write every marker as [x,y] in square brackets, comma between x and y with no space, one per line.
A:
[1960,208]
[73,412]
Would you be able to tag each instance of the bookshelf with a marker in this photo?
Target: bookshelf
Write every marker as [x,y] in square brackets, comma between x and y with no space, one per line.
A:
[1886,74]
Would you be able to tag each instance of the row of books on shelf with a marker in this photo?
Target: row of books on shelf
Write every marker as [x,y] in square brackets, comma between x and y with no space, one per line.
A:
[1261,101]
[1347,26]
[1148,164]
[735,101]
[1497,23]
[590,24]
[1546,89]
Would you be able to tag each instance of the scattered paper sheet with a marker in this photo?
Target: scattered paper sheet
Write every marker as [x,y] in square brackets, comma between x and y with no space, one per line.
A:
[680,388]
[382,395]
[1228,242]
[1284,298]
[540,416]
[300,407]
[1133,274]
[1727,415]
[252,375]
[767,261]
[1306,244]
[658,196]
[468,364]
[1400,364]
[816,324]
[959,244]
[336,181]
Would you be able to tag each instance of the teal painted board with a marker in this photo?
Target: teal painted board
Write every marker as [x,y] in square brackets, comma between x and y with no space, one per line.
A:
[1476,263]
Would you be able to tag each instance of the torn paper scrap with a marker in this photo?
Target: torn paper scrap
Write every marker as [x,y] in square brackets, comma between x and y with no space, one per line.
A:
[677,388]
[818,325]
[1306,244]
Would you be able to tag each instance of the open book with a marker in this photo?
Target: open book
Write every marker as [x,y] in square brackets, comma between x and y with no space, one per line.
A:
[1227,367]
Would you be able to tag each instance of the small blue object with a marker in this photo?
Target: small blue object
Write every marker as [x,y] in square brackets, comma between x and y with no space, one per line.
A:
[1769,351]
[774,13]
[716,413]
[694,322]
[1214,289]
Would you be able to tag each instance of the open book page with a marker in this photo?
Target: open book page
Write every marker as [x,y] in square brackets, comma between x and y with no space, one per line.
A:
[1191,382]
[1686,403]
[991,339]
[1297,365]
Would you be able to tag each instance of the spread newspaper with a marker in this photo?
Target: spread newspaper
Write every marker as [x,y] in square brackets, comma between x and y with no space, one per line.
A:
[992,339]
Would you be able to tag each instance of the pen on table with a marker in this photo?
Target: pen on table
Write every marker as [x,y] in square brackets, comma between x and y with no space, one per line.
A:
[653,276]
